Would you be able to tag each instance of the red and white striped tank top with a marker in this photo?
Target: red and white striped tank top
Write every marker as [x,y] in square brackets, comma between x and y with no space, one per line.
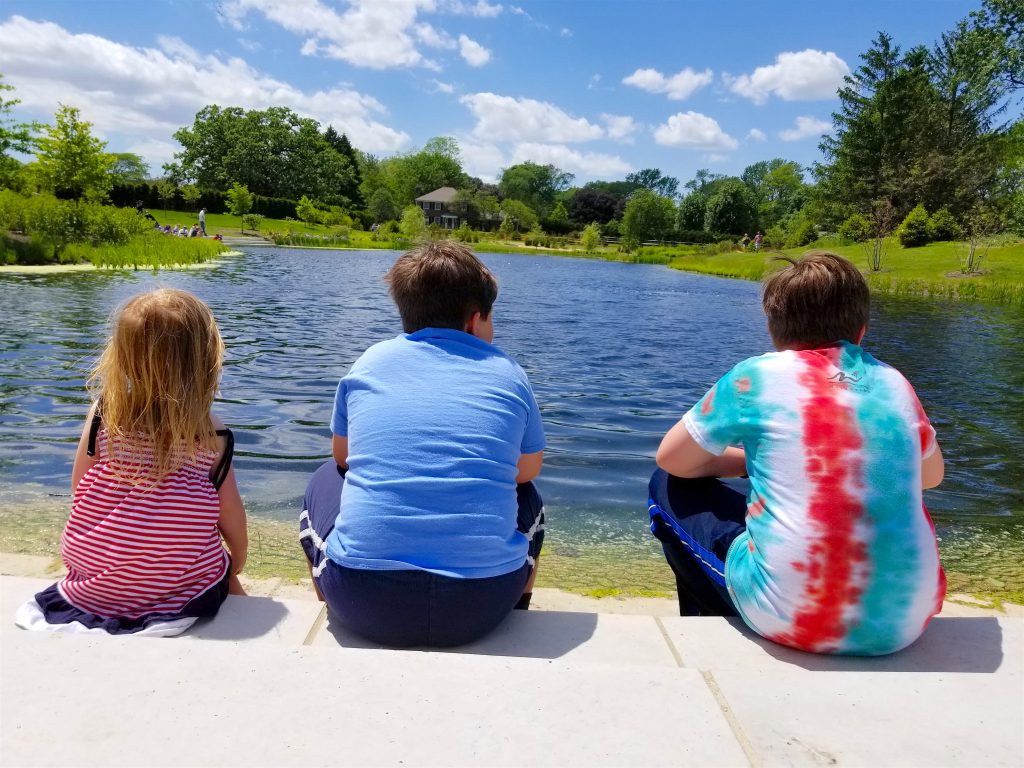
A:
[136,550]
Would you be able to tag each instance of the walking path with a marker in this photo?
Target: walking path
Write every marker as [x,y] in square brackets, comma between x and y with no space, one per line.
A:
[271,681]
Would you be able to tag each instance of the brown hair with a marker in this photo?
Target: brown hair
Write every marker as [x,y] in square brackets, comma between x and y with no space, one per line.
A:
[440,285]
[819,299]
[156,379]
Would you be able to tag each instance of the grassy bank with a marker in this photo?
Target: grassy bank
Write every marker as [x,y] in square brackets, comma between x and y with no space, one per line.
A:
[149,250]
[931,270]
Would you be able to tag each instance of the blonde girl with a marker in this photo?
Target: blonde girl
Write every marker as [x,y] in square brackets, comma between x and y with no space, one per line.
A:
[155,498]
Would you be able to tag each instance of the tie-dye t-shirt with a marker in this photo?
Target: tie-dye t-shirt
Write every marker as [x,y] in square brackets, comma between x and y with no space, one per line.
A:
[839,555]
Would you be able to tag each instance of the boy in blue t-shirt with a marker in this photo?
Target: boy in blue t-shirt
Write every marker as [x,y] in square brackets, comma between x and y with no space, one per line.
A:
[425,528]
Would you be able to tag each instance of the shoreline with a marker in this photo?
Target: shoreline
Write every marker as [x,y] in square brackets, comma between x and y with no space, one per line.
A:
[54,269]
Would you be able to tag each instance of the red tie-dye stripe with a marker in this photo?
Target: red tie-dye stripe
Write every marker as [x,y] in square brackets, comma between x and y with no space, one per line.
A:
[832,445]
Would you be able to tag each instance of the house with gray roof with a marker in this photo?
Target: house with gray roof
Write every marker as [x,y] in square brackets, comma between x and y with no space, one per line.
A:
[440,207]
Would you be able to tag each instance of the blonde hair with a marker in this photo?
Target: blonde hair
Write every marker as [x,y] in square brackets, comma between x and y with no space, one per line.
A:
[156,380]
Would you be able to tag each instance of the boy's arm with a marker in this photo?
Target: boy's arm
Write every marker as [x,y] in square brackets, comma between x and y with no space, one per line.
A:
[933,468]
[680,455]
[339,449]
[529,466]
[83,461]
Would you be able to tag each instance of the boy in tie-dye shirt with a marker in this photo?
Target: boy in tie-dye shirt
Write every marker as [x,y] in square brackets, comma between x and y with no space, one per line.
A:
[830,549]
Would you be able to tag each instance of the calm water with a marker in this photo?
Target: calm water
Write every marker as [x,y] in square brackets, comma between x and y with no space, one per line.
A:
[616,354]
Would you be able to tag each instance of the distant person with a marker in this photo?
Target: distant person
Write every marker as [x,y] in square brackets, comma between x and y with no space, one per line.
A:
[744,242]
[424,529]
[829,547]
[758,239]
[194,232]
[202,221]
[154,495]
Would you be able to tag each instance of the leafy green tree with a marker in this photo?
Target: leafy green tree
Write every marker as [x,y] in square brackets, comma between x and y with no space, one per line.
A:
[942,227]
[413,225]
[128,167]
[856,228]
[521,216]
[239,200]
[350,186]
[702,181]
[558,214]
[166,190]
[534,185]
[307,211]
[590,237]
[648,216]
[731,209]
[691,211]
[14,136]
[913,232]
[1000,25]
[654,181]
[190,193]
[381,206]
[589,205]
[70,161]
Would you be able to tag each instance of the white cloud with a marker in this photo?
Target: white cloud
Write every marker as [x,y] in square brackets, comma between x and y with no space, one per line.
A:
[805,128]
[474,53]
[250,45]
[693,130]
[505,118]
[593,82]
[565,32]
[795,76]
[428,35]
[375,34]
[148,93]
[481,158]
[714,157]
[756,134]
[568,159]
[481,9]
[620,127]
[677,87]
[443,87]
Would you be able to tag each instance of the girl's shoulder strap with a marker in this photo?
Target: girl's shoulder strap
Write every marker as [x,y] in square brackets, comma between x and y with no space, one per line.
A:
[94,429]
[219,472]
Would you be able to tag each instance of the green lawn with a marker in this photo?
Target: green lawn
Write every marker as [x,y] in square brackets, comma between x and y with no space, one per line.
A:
[226,224]
[931,270]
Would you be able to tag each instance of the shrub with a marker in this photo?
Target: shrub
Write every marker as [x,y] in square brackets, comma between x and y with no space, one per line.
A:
[855,229]
[913,232]
[252,220]
[801,232]
[590,238]
[942,226]
[775,237]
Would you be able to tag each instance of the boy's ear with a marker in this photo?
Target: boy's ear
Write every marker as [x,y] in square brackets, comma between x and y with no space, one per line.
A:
[471,324]
[860,336]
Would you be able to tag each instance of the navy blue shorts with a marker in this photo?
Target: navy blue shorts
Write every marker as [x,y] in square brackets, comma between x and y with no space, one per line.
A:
[411,607]
[696,521]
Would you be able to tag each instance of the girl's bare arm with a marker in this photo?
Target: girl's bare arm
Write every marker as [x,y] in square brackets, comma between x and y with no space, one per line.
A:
[83,461]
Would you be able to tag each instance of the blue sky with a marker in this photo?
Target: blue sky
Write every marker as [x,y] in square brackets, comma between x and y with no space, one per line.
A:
[597,88]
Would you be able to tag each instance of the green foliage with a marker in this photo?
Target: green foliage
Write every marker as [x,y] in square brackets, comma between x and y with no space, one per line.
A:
[307,211]
[340,238]
[399,180]
[692,210]
[167,190]
[14,137]
[521,216]
[855,229]
[239,200]
[190,193]
[913,232]
[413,226]
[128,167]
[801,232]
[534,185]
[70,161]
[654,181]
[590,205]
[942,226]
[466,235]
[775,237]
[252,221]
[731,208]
[381,205]
[590,238]
[558,214]
[648,216]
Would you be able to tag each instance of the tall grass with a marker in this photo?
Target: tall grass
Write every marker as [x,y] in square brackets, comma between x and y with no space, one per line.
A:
[151,250]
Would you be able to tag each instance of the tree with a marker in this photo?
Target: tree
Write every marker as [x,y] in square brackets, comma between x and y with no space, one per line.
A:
[652,179]
[589,205]
[731,209]
[702,181]
[534,185]
[190,193]
[648,216]
[381,206]
[691,211]
[778,188]
[521,216]
[14,137]
[590,238]
[273,152]
[307,211]
[128,167]
[1000,25]
[239,200]
[350,186]
[166,190]
[70,161]
[413,225]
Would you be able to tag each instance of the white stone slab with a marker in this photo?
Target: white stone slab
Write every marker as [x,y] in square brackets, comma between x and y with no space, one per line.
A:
[790,717]
[260,618]
[117,702]
[979,644]
[568,636]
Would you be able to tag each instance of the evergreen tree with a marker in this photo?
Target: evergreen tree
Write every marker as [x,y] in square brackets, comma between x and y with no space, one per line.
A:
[341,144]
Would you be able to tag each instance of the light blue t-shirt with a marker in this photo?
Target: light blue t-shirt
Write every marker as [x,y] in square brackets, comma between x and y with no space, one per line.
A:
[436,421]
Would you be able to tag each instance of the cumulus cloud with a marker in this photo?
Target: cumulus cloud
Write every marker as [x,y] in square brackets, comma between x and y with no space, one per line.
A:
[149,93]
[795,76]
[756,134]
[474,53]
[505,118]
[480,9]
[443,87]
[679,86]
[692,130]
[376,34]
[620,127]
[805,127]
[568,159]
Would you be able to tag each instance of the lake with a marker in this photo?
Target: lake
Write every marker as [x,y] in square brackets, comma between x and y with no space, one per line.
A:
[616,353]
